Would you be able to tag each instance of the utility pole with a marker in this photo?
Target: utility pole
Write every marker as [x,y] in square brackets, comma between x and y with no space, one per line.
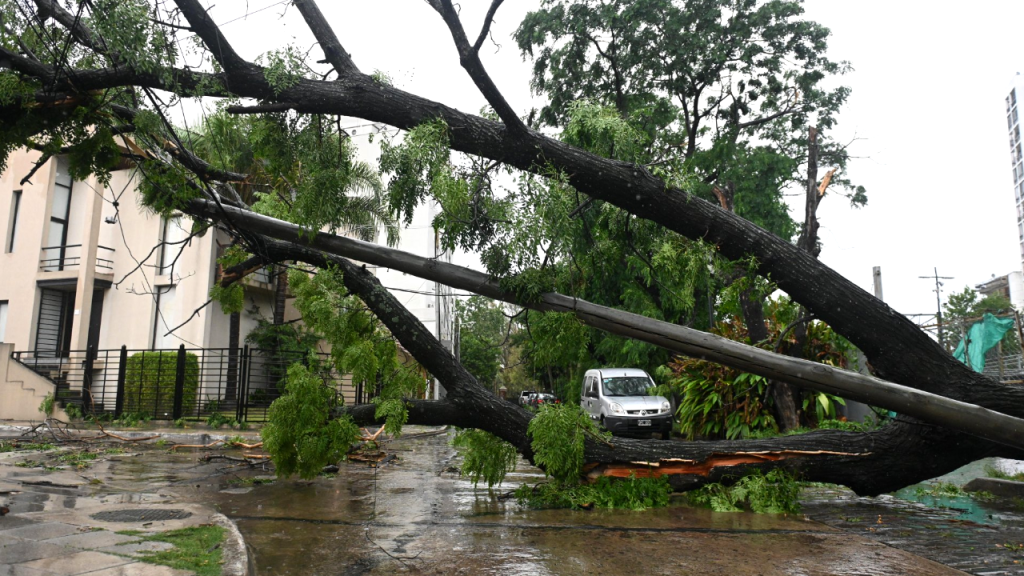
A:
[938,301]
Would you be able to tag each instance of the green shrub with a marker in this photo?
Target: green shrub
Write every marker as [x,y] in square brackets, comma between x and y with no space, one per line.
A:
[149,383]
[630,493]
[74,411]
[776,492]
[46,406]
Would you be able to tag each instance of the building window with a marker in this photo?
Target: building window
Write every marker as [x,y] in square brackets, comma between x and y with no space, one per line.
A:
[55,251]
[12,222]
[171,235]
[163,318]
[3,320]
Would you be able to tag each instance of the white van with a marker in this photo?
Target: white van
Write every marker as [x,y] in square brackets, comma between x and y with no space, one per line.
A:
[619,399]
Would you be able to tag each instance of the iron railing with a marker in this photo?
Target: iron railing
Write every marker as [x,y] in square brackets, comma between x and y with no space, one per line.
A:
[69,257]
[1005,367]
[179,383]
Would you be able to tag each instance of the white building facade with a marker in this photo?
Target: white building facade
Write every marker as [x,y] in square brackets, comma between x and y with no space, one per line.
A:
[1016,155]
[431,302]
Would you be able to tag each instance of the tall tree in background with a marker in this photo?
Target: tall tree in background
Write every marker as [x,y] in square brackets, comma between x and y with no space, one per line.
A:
[482,337]
[720,94]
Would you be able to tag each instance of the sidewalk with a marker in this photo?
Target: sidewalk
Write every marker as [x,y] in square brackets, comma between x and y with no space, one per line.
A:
[68,522]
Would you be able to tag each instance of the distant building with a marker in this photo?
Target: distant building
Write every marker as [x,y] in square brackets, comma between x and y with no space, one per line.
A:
[432,303]
[1016,155]
[1010,286]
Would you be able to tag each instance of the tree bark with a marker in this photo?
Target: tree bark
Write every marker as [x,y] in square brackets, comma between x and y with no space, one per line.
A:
[783,401]
[998,427]
[869,463]
[280,294]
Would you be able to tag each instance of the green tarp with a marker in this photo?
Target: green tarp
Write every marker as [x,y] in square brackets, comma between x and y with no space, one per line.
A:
[981,337]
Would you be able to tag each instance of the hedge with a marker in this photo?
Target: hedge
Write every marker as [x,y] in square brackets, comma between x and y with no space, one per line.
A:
[149,383]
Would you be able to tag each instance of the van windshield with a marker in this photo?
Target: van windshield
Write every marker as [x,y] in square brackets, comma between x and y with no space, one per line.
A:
[626,386]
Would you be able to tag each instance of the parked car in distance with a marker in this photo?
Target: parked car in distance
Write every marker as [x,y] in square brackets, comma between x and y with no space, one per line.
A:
[540,399]
[620,399]
[524,397]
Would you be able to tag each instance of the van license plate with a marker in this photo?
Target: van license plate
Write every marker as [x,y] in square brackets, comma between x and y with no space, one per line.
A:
[644,423]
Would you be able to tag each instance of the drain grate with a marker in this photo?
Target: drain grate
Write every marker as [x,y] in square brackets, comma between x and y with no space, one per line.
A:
[140,515]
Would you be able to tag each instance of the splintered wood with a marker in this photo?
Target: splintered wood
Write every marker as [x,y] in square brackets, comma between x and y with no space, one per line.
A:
[703,467]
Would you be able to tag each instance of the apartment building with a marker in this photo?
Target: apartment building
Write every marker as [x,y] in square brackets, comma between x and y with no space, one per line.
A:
[86,270]
[1016,155]
[85,266]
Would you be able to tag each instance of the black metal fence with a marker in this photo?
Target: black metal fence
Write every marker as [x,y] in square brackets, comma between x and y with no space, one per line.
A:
[238,383]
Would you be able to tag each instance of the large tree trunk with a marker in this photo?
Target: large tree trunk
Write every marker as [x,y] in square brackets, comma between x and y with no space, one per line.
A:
[944,412]
[783,398]
[870,463]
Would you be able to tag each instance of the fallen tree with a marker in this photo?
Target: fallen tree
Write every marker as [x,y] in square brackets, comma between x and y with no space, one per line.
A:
[891,457]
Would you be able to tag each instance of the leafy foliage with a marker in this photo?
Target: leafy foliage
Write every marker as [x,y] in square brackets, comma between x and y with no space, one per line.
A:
[776,492]
[482,331]
[46,406]
[703,80]
[301,435]
[557,436]
[631,493]
[360,343]
[485,456]
[721,402]
[282,344]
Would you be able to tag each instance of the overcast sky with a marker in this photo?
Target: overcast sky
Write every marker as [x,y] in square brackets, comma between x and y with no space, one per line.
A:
[927,110]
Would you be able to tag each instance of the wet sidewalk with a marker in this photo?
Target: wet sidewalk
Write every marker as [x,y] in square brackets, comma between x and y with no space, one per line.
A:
[90,520]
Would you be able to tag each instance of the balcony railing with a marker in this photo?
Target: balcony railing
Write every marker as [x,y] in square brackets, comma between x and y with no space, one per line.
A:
[69,257]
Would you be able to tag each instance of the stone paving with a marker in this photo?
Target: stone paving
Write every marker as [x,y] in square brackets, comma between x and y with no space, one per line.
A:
[40,548]
[51,530]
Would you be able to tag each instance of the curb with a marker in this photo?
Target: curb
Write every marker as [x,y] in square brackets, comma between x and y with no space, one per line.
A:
[235,553]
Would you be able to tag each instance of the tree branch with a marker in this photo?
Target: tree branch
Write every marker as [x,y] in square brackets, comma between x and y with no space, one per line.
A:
[324,34]
[294,244]
[486,28]
[469,57]
[212,37]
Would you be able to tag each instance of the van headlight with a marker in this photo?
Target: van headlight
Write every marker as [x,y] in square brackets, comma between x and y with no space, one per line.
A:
[665,406]
[616,408]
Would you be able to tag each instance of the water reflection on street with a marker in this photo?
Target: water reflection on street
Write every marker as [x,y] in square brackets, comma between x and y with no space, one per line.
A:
[415,515]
